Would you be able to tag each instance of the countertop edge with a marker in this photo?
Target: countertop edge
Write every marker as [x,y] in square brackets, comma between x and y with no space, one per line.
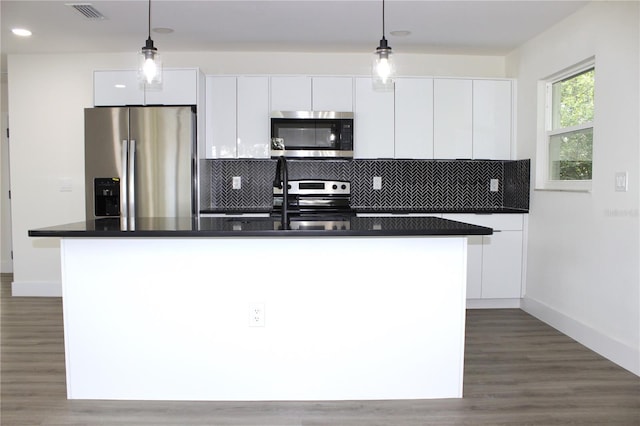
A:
[478,230]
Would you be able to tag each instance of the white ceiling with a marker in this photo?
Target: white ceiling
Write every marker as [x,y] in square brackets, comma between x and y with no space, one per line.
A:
[455,27]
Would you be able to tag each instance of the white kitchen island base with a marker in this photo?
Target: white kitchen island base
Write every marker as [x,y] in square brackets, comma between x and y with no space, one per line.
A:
[345,318]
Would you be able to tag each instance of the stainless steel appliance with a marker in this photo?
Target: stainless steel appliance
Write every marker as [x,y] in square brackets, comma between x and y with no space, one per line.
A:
[316,204]
[309,134]
[140,162]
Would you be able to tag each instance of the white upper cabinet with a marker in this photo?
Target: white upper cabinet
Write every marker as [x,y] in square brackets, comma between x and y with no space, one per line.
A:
[472,119]
[374,121]
[179,87]
[414,118]
[452,118]
[303,93]
[121,87]
[492,119]
[253,120]
[221,117]
[332,94]
[291,93]
[117,88]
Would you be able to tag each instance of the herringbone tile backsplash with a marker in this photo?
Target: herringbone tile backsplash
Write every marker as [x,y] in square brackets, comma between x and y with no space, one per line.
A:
[407,185]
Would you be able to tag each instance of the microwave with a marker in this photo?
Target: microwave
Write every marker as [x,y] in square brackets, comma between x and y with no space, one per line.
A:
[312,134]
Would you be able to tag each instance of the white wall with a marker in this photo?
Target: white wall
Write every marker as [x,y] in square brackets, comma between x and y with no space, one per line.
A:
[583,254]
[6,265]
[47,94]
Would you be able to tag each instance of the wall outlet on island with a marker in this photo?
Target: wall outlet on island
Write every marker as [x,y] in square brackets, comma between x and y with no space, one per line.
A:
[494,185]
[236,182]
[256,315]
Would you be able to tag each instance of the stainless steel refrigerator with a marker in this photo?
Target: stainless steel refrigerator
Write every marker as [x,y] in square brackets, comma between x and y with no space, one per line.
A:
[140,162]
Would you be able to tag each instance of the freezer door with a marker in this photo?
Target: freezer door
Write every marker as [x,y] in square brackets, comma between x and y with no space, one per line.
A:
[105,129]
[164,140]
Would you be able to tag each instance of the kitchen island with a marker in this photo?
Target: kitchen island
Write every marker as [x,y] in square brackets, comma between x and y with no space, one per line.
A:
[241,309]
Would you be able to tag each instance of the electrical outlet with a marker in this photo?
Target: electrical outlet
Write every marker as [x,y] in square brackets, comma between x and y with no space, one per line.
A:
[377,182]
[494,185]
[236,182]
[256,315]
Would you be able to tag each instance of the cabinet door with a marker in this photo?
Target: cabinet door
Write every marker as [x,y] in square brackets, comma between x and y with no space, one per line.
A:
[179,87]
[502,265]
[253,117]
[414,118]
[332,94]
[117,88]
[494,262]
[474,266]
[373,133]
[221,117]
[452,118]
[492,119]
[290,93]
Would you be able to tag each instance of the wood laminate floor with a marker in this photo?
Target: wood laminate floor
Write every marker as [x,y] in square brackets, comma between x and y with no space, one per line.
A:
[518,371]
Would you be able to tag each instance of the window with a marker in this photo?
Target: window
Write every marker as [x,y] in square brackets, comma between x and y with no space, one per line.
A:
[569,129]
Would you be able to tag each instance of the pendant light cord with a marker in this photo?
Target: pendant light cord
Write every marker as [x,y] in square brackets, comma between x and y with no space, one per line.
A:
[382,18]
[150,19]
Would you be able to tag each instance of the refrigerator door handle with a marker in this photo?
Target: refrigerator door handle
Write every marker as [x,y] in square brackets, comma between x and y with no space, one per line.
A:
[124,148]
[131,189]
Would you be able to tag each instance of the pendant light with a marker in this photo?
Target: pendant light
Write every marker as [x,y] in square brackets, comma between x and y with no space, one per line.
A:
[383,69]
[150,68]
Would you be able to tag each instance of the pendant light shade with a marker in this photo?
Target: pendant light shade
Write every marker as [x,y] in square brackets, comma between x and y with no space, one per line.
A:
[150,66]
[383,67]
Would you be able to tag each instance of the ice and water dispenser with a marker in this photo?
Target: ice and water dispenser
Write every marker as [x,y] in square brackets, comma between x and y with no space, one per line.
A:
[107,196]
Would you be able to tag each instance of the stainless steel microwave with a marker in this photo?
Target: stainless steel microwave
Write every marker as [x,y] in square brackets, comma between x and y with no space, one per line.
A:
[312,134]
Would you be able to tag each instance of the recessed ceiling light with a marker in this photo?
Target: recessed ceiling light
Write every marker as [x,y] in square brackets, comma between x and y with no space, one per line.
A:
[400,33]
[22,32]
[161,30]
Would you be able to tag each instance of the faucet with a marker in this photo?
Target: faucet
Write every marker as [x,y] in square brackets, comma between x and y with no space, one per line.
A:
[281,181]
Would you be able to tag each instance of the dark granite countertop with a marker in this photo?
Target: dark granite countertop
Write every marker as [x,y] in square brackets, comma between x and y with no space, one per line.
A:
[262,227]
[489,210]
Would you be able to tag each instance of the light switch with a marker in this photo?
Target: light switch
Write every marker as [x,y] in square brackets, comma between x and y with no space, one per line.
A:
[494,185]
[236,182]
[622,182]
[65,184]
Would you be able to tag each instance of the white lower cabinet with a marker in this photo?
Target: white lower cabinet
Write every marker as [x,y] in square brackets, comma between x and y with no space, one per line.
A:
[502,265]
[474,266]
[494,262]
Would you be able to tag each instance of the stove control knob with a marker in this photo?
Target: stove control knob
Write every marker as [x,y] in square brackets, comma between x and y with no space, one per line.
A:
[335,186]
[343,186]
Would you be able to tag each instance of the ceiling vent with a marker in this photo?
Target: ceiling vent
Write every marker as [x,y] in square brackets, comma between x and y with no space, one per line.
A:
[86,10]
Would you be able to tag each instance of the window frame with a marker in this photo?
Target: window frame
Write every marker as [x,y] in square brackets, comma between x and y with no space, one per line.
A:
[546,131]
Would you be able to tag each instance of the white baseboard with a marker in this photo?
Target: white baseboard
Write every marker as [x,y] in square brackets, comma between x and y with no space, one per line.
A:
[493,303]
[624,355]
[36,289]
